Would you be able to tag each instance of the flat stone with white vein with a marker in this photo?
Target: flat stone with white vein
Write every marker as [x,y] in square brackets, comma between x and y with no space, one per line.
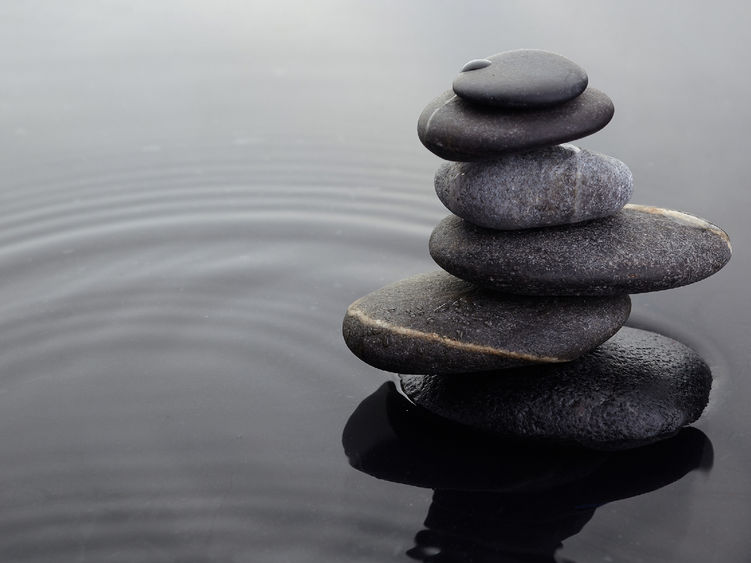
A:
[436,323]
[637,250]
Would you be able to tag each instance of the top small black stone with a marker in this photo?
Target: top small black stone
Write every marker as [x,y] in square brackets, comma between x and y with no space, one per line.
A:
[525,78]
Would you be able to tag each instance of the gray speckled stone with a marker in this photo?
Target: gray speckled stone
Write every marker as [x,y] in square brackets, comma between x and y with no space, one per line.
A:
[636,388]
[436,323]
[523,78]
[638,249]
[455,129]
[537,188]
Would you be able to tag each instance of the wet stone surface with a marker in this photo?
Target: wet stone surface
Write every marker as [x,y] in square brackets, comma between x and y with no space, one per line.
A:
[537,188]
[436,323]
[522,78]
[456,129]
[639,249]
[636,388]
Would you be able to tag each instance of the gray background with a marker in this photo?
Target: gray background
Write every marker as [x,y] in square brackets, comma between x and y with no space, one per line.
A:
[192,192]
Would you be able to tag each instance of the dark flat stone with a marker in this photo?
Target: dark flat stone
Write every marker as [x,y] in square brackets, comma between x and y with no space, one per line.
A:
[455,129]
[637,388]
[639,249]
[436,323]
[523,78]
[537,188]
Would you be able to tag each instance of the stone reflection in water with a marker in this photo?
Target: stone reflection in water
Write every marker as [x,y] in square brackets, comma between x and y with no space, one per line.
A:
[497,500]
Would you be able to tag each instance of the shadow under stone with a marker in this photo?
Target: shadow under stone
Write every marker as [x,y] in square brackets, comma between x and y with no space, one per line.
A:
[498,500]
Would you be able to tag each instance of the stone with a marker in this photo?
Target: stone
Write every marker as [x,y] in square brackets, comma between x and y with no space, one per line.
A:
[637,388]
[436,323]
[456,129]
[639,249]
[524,78]
[537,188]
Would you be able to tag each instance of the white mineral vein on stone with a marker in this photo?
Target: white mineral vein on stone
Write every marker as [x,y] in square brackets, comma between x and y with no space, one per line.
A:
[450,342]
[572,148]
[436,110]
[577,196]
[683,218]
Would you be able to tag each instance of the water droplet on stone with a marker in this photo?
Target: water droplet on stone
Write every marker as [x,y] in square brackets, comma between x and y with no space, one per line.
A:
[476,64]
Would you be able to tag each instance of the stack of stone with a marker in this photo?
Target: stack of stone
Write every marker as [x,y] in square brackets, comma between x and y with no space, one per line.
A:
[541,255]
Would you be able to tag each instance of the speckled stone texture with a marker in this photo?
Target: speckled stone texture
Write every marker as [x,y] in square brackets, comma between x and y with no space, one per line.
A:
[436,323]
[523,78]
[639,249]
[537,188]
[456,129]
[636,388]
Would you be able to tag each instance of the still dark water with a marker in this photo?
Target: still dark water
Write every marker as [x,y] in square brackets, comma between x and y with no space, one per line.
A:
[191,193]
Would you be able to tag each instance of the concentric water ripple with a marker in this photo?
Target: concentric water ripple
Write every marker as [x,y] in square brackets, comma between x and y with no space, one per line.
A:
[170,340]
[173,382]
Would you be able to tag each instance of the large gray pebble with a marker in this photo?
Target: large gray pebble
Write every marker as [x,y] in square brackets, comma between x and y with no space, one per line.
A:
[639,249]
[521,78]
[456,129]
[436,323]
[636,388]
[537,188]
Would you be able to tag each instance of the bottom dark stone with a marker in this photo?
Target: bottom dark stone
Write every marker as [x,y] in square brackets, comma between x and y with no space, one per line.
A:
[636,388]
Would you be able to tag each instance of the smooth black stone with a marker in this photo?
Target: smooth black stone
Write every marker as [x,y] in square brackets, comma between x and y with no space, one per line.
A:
[436,323]
[637,250]
[455,129]
[637,388]
[524,78]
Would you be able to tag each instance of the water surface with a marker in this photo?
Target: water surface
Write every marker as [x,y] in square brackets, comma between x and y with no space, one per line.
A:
[193,192]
